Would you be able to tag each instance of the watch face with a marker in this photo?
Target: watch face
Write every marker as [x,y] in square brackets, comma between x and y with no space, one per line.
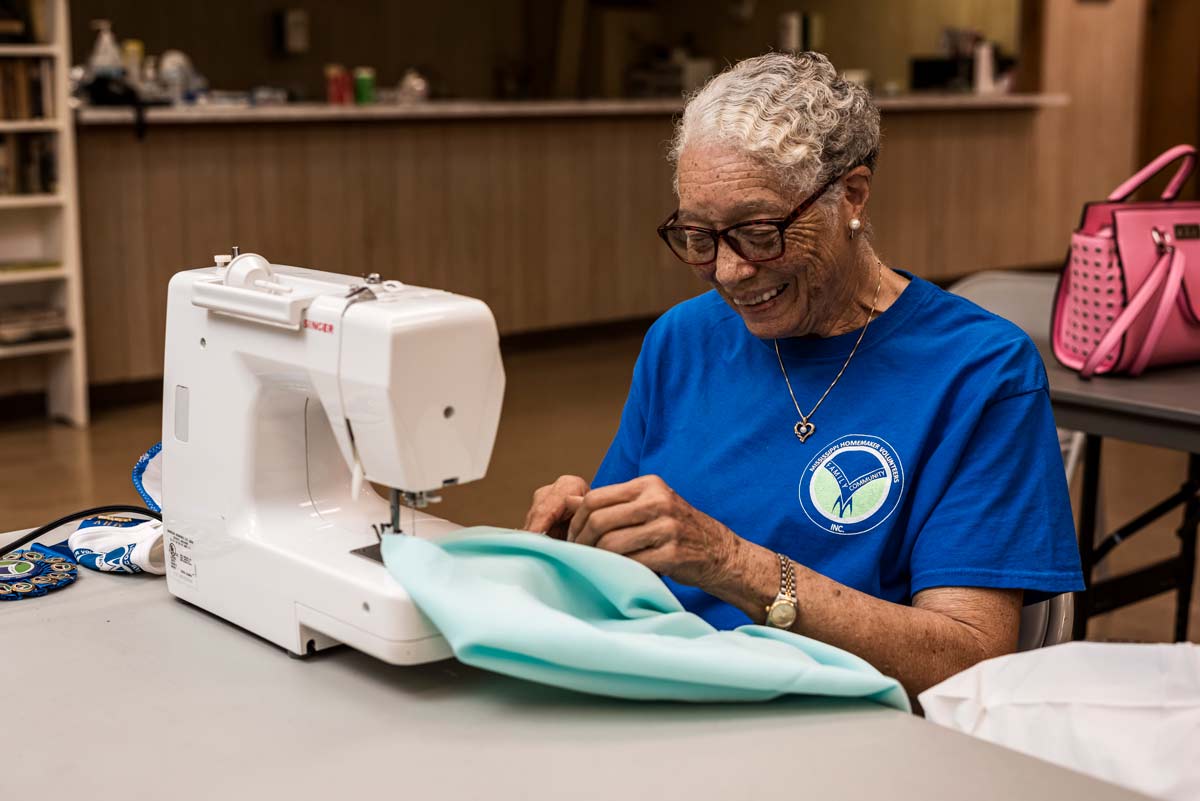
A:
[782,615]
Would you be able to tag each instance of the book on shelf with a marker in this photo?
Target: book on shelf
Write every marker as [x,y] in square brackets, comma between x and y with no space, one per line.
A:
[28,164]
[12,267]
[26,88]
[22,109]
[23,324]
[24,22]
[46,88]
[16,21]
[39,21]
[8,174]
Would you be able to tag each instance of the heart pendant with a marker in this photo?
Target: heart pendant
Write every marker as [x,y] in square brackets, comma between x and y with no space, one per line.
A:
[804,430]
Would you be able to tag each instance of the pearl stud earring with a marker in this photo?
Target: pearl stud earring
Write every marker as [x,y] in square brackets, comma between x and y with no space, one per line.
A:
[855,224]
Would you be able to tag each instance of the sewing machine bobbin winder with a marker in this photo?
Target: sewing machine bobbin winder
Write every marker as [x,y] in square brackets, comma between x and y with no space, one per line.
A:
[286,392]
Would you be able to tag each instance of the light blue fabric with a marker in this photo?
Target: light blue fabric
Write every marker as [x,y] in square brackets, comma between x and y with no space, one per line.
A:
[589,620]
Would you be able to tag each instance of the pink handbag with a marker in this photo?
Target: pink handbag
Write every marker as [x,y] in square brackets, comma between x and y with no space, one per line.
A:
[1129,294]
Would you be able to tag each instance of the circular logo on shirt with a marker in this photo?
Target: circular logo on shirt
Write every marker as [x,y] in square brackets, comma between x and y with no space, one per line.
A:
[853,485]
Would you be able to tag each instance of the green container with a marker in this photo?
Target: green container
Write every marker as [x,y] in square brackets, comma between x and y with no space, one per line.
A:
[364,86]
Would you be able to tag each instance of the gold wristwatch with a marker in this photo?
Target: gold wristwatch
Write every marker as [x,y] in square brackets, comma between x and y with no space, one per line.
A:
[782,612]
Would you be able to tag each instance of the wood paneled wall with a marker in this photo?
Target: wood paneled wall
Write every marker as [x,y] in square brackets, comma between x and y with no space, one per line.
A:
[1171,96]
[551,221]
[1092,52]
[953,193]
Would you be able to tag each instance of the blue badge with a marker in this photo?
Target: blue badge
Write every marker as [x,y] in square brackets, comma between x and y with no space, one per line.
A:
[35,572]
[853,485]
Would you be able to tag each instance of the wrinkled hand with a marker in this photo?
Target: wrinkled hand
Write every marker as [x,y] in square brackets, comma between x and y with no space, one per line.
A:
[553,506]
[645,520]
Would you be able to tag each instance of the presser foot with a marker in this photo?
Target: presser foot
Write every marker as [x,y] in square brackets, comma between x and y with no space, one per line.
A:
[371,552]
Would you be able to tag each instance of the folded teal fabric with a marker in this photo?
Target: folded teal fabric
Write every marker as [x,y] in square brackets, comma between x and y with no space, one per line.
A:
[573,616]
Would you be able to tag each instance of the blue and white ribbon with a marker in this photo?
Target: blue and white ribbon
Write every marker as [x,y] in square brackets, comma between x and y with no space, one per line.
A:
[118,544]
[147,477]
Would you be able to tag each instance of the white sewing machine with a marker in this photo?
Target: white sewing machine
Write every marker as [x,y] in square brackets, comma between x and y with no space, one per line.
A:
[286,391]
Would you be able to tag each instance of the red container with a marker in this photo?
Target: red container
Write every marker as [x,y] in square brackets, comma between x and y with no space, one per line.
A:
[339,89]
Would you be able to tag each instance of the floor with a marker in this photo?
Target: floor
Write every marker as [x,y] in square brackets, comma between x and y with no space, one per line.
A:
[562,405]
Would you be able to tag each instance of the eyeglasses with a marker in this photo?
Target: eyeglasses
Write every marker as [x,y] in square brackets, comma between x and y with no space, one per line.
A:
[752,240]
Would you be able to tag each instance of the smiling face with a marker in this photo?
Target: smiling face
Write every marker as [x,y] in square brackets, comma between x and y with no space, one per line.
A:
[803,292]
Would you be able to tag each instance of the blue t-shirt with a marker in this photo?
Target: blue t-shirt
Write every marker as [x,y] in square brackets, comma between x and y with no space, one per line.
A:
[934,462]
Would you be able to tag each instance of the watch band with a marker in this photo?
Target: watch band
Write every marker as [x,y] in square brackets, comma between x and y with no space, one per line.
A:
[782,612]
[787,577]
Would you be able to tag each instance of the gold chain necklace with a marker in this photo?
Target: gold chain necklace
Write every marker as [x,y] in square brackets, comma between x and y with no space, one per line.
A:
[804,428]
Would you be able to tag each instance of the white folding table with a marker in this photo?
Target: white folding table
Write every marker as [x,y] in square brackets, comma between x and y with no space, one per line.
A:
[130,694]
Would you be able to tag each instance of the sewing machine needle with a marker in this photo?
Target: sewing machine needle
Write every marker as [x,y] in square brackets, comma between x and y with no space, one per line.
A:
[395,511]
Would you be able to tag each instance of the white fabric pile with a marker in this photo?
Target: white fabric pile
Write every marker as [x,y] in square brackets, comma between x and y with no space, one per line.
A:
[1128,714]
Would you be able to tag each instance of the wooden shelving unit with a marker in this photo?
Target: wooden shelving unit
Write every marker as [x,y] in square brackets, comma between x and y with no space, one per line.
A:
[35,348]
[45,227]
[30,201]
[28,50]
[28,126]
[33,276]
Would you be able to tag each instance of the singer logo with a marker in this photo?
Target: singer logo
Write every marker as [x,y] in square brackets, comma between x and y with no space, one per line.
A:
[324,328]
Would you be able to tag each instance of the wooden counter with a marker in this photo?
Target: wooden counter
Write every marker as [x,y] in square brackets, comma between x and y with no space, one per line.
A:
[546,211]
[498,109]
[551,221]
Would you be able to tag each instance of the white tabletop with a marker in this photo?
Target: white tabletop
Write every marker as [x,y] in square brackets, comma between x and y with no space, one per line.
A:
[151,698]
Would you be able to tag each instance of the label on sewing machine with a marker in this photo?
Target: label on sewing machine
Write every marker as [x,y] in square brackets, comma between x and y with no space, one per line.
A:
[179,558]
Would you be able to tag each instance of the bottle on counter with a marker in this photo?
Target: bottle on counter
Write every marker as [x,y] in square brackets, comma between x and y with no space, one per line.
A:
[791,32]
[984,68]
[364,85]
[105,61]
[132,55]
[149,75]
[800,31]
[338,90]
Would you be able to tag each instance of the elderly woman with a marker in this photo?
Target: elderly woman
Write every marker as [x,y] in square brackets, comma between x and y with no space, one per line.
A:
[821,442]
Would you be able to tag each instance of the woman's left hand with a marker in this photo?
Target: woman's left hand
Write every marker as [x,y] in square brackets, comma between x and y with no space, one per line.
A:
[645,520]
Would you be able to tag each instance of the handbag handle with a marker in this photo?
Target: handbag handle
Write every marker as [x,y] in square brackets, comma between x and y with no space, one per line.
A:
[1166,304]
[1169,269]
[1186,152]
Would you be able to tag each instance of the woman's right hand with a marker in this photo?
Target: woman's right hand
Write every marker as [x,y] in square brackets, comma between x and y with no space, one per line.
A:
[554,505]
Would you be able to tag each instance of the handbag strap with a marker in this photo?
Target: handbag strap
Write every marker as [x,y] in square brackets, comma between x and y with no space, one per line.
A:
[1170,295]
[1170,263]
[1186,152]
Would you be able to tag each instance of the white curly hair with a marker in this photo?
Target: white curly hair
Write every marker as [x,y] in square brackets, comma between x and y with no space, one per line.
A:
[793,113]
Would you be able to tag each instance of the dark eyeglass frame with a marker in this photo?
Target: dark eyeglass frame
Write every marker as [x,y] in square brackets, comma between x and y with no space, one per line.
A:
[722,234]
